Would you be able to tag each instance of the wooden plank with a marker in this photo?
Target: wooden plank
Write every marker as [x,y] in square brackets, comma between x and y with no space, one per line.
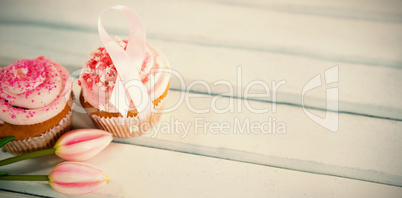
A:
[381,11]
[388,129]
[289,139]
[11,194]
[244,27]
[272,41]
[361,87]
[276,52]
[146,172]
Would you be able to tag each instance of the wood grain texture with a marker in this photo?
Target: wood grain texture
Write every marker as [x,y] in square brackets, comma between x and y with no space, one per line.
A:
[381,11]
[366,151]
[280,45]
[11,194]
[271,41]
[147,172]
[246,27]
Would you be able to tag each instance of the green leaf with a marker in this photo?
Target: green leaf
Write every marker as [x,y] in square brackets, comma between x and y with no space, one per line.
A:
[3,173]
[5,140]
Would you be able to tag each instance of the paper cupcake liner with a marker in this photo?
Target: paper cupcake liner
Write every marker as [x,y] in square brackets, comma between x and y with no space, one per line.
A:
[130,126]
[45,141]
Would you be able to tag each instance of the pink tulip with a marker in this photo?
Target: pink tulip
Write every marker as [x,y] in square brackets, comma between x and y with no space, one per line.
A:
[82,144]
[77,178]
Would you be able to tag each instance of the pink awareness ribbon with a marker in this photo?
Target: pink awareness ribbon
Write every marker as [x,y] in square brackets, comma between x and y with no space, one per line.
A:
[128,64]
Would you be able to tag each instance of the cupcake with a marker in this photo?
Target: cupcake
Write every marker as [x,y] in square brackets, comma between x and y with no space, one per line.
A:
[35,104]
[97,81]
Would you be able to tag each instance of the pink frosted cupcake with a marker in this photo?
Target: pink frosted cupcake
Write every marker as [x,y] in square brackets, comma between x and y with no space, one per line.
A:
[35,104]
[97,81]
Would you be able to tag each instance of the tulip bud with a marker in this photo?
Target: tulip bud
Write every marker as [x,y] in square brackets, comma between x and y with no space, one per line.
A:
[77,178]
[82,144]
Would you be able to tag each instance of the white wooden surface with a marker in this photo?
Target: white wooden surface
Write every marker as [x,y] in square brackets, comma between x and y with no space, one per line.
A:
[353,152]
[281,44]
[149,172]
[271,41]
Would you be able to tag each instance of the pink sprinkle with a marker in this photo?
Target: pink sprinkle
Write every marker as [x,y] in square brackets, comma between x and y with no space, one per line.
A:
[38,93]
[33,101]
[13,116]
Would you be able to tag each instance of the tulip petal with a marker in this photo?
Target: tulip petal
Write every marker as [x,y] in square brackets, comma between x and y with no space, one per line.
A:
[76,178]
[82,144]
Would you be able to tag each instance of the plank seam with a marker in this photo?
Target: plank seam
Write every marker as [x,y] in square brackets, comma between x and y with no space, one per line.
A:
[272,49]
[254,163]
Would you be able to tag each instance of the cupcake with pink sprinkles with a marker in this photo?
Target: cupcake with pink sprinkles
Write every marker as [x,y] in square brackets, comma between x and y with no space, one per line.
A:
[35,104]
[125,83]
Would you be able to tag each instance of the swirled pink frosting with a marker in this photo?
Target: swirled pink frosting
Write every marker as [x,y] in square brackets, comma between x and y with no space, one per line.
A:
[33,91]
[99,74]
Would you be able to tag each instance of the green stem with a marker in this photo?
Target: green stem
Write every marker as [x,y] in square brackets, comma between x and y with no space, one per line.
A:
[27,156]
[25,177]
[5,140]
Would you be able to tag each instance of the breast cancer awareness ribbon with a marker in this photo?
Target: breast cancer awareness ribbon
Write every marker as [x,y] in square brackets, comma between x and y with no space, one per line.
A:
[128,63]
